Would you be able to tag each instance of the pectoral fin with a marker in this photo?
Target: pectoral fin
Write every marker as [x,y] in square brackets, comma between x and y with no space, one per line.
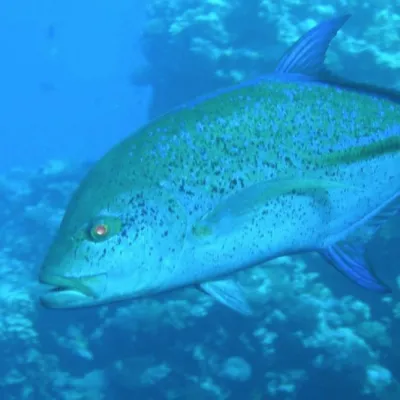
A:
[229,293]
[349,256]
[235,208]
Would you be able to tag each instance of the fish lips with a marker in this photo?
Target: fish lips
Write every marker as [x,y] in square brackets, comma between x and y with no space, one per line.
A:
[71,292]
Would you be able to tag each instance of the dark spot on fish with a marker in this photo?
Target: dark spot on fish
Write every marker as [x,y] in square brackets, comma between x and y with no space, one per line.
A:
[214,189]
[103,254]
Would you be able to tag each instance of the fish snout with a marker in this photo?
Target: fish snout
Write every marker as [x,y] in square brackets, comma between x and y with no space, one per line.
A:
[71,292]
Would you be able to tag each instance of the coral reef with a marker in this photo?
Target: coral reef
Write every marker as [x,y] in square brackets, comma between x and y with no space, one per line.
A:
[306,329]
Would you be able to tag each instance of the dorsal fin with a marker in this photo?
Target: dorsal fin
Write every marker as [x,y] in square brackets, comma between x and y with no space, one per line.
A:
[307,55]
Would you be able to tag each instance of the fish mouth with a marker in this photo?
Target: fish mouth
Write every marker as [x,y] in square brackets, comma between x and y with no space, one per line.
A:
[71,292]
[61,283]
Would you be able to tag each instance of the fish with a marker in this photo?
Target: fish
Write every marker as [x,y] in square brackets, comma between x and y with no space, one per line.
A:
[295,161]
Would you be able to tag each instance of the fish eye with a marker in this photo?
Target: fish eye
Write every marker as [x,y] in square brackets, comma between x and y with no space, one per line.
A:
[99,231]
[103,228]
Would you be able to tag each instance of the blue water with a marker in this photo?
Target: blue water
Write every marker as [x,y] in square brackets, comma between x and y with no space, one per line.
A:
[77,77]
[64,65]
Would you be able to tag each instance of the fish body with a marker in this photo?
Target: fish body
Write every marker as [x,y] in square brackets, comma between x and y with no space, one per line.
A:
[287,163]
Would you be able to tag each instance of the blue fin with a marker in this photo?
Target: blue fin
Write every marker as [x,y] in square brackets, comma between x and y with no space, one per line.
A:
[349,259]
[229,293]
[307,55]
[349,256]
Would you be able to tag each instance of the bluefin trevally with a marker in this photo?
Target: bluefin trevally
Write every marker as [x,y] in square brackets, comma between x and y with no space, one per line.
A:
[291,162]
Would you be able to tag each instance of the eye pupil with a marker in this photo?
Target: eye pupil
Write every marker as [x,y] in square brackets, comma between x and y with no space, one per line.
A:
[103,228]
[100,230]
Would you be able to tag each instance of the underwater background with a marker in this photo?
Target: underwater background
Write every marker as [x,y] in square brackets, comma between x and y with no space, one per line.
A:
[77,77]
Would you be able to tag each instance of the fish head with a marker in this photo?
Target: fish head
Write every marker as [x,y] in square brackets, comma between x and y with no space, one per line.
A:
[125,247]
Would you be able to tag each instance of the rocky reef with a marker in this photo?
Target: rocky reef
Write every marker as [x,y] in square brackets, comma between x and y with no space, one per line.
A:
[311,327]
[196,46]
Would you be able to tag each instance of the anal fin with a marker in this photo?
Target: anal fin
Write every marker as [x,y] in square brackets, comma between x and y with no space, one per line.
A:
[350,260]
